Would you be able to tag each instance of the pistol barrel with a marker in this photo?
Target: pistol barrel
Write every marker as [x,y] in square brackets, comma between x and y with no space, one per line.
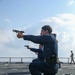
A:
[17,31]
[26,45]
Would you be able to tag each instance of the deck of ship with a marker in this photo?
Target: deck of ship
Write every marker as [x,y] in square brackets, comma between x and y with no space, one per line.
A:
[22,69]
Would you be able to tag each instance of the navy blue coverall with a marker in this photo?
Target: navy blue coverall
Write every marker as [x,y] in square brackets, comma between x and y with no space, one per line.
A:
[50,48]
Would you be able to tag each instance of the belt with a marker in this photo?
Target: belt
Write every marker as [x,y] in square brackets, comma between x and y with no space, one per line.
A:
[52,59]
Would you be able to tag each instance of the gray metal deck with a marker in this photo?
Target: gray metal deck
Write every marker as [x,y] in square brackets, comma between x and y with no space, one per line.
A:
[22,69]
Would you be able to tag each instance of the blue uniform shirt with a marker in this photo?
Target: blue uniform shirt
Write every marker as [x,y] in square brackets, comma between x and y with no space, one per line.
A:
[49,42]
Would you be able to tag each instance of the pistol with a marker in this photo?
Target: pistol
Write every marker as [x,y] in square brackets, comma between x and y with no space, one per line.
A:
[17,31]
[26,45]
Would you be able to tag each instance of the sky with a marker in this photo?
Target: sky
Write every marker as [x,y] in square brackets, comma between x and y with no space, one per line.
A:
[30,16]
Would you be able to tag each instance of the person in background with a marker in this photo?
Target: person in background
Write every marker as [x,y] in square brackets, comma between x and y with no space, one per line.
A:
[72,57]
[39,53]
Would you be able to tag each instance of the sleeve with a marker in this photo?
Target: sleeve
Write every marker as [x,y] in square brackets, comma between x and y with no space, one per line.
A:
[37,39]
[36,50]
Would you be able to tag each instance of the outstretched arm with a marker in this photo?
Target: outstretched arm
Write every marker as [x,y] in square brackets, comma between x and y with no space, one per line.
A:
[36,39]
[36,50]
[33,49]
